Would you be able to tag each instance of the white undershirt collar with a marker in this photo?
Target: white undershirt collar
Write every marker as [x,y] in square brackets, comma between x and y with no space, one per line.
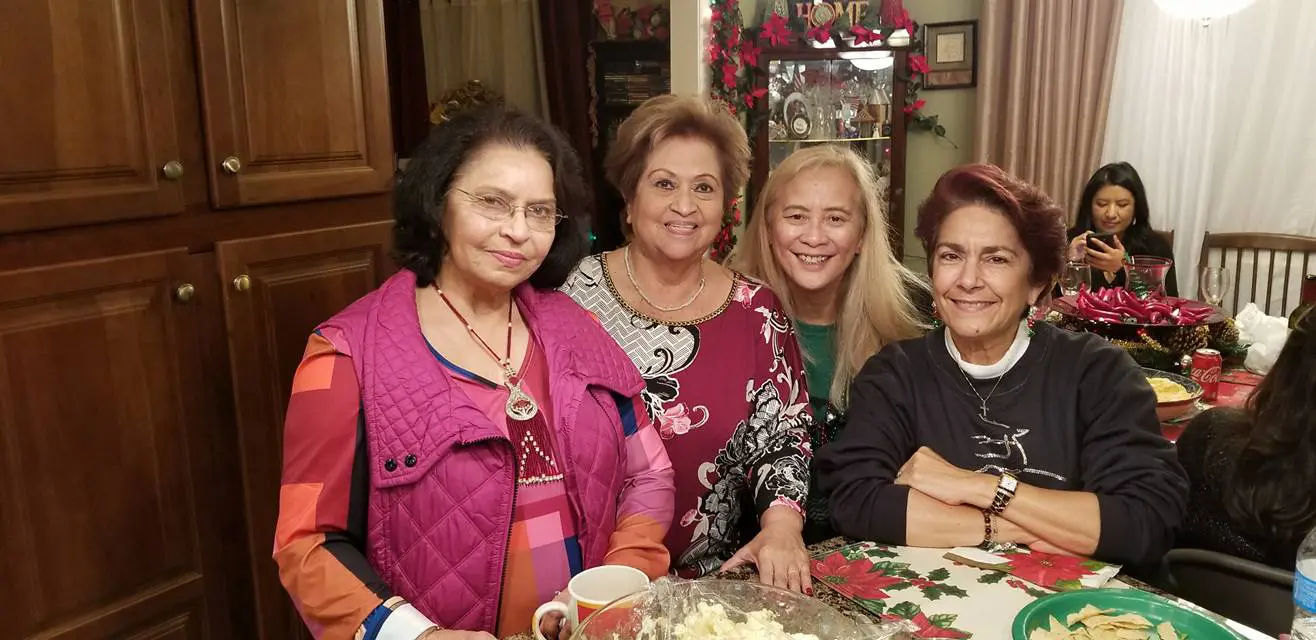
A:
[997,369]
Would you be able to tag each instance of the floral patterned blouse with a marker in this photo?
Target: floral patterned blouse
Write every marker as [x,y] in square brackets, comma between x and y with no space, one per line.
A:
[728,396]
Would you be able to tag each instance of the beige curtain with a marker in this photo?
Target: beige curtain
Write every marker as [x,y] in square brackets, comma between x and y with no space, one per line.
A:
[493,41]
[1044,79]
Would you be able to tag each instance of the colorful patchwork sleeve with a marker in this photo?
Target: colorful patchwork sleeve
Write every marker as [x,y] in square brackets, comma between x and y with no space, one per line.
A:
[648,495]
[780,411]
[320,536]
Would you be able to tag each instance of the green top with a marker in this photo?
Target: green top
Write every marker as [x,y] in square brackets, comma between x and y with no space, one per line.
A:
[818,342]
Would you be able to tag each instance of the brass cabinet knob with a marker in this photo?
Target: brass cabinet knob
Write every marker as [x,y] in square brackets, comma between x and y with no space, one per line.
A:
[172,170]
[232,165]
[242,282]
[184,292]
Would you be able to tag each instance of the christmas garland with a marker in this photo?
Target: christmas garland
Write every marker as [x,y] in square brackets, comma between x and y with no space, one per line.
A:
[737,81]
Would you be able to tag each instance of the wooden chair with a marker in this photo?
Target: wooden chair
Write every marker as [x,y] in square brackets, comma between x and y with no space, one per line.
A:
[1168,235]
[1275,244]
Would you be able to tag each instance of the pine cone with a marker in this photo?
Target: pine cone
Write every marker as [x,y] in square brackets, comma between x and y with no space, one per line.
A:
[1224,333]
[1189,339]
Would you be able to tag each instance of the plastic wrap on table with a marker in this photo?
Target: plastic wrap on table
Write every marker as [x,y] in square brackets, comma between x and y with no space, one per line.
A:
[674,609]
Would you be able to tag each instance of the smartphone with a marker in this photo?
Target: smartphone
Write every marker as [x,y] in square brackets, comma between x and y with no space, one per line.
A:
[1107,238]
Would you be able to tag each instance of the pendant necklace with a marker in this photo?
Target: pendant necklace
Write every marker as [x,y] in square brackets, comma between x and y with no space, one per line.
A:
[520,406]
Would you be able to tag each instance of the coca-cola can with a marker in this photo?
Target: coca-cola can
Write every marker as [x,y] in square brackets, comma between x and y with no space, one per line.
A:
[1206,372]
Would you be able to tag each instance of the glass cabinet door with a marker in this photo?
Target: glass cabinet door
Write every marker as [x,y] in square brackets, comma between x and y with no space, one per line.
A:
[848,99]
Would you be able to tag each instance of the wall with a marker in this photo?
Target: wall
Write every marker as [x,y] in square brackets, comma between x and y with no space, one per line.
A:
[927,157]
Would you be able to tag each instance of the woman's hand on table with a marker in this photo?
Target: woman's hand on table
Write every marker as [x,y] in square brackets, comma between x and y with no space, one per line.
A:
[1106,257]
[778,551]
[450,634]
[932,476]
[554,625]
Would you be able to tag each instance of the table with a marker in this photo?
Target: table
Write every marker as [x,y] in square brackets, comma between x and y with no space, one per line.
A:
[1236,386]
[958,600]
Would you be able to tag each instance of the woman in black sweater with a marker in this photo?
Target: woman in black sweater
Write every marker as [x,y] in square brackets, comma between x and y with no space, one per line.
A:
[991,431]
[1114,201]
[1253,470]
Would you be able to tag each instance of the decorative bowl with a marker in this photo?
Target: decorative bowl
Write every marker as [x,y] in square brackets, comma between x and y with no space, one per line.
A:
[1172,409]
[651,614]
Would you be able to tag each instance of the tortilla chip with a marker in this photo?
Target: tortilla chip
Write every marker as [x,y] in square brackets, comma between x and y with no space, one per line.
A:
[1086,612]
[1166,631]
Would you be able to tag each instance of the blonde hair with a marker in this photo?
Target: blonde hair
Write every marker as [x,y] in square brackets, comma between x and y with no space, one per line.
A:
[667,116]
[875,308]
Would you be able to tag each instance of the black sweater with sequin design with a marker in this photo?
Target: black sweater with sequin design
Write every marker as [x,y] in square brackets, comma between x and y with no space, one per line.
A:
[1207,454]
[1075,413]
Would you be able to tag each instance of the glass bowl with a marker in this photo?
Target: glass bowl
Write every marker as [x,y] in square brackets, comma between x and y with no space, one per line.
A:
[666,609]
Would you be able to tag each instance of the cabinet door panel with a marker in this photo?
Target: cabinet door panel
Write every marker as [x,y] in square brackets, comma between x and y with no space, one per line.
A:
[295,95]
[88,116]
[97,503]
[292,283]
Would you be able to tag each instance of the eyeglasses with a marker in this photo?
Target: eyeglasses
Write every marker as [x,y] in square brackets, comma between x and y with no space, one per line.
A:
[493,207]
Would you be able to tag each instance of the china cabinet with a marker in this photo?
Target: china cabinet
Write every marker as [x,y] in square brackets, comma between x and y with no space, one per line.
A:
[840,95]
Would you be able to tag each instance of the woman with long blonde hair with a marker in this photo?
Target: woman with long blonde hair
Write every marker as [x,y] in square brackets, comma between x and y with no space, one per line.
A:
[818,237]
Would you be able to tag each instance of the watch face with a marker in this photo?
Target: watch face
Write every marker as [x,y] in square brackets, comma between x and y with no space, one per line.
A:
[1009,483]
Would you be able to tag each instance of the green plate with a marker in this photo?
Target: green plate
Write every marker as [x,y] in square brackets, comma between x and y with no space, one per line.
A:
[1194,626]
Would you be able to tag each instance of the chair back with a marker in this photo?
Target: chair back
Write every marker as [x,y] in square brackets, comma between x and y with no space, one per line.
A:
[1272,264]
[1167,235]
[1254,594]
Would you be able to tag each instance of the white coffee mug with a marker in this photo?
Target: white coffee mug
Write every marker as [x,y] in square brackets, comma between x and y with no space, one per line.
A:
[590,591]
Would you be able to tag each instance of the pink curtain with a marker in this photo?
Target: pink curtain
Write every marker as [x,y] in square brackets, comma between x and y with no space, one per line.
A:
[1044,78]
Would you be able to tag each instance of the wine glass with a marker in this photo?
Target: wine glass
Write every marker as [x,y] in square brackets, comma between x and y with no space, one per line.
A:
[1214,284]
[1075,275]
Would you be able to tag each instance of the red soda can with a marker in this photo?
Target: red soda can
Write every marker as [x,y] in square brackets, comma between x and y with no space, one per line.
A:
[1206,372]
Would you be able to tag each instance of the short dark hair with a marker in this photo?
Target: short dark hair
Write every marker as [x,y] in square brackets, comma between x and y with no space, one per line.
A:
[1119,174]
[1035,217]
[420,194]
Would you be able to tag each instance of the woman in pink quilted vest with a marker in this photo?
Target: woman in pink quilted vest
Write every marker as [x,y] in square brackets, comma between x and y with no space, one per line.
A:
[463,440]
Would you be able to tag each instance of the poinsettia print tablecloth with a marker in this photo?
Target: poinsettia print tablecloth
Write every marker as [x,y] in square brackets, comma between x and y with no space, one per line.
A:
[943,598]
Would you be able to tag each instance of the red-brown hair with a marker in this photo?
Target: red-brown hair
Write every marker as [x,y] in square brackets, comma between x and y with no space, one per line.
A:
[1035,217]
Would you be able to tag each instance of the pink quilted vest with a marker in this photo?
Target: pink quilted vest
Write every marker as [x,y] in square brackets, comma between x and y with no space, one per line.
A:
[441,473]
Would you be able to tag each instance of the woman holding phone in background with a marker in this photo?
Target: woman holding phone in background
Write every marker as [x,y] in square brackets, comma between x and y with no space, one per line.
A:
[1114,222]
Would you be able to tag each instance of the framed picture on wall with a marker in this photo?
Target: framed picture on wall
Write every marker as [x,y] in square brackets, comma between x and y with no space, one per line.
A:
[952,52]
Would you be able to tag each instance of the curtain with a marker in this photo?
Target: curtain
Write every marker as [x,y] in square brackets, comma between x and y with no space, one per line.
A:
[1044,76]
[567,28]
[1217,119]
[493,41]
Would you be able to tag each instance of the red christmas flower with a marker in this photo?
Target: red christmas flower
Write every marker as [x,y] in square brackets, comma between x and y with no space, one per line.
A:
[749,53]
[864,35]
[776,30]
[854,576]
[1047,569]
[918,64]
[918,104]
[729,74]
[822,33]
[754,95]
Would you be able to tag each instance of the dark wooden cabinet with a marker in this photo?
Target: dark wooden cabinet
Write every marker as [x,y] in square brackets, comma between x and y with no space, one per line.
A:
[623,74]
[87,118]
[99,498]
[295,97]
[277,290]
[141,392]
